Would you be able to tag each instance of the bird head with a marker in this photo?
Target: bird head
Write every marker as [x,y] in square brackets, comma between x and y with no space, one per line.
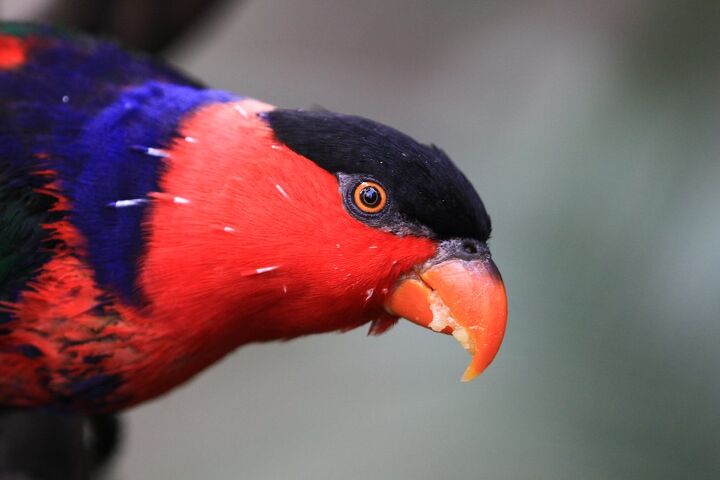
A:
[279,223]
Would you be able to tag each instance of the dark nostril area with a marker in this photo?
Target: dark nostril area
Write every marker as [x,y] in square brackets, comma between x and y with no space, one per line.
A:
[470,246]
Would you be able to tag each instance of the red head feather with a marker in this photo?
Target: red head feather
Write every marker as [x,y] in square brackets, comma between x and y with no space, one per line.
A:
[252,242]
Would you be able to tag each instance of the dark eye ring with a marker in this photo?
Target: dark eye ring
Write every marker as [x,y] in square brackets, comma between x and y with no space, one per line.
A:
[370,197]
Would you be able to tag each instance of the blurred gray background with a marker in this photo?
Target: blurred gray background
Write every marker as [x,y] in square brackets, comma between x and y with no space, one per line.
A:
[592,131]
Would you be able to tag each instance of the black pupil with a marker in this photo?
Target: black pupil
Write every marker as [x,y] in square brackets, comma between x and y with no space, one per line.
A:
[370,196]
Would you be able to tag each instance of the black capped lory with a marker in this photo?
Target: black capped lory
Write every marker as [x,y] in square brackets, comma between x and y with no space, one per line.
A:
[150,225]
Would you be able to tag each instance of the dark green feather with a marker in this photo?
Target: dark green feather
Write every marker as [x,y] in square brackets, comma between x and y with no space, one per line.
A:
[26,244]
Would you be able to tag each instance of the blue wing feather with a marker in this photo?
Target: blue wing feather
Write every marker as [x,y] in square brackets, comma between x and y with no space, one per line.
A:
[88,110]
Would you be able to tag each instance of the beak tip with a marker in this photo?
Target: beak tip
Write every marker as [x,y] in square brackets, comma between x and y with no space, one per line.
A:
[472,371]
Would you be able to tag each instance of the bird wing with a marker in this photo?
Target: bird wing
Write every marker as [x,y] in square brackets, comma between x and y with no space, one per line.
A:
[53,83]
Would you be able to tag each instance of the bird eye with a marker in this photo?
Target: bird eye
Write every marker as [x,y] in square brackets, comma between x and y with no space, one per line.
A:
[370,197]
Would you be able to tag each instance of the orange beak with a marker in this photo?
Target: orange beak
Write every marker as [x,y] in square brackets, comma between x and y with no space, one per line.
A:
[465,298]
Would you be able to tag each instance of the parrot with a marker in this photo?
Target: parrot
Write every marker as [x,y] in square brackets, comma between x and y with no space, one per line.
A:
[150,225]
